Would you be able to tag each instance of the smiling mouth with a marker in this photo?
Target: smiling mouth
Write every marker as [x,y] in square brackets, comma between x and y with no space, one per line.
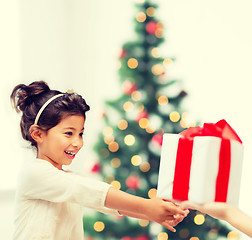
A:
[71,154]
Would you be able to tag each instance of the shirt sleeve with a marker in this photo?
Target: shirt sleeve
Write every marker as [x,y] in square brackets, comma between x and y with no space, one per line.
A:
[41,180]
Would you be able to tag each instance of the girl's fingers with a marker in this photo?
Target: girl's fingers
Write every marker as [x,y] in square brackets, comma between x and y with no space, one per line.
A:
[170,217]
[173,210]
[168,226]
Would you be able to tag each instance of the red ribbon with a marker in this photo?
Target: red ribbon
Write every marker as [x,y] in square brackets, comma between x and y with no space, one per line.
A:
[184,157]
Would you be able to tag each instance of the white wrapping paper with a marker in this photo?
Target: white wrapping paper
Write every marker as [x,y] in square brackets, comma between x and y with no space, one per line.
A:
[204,169]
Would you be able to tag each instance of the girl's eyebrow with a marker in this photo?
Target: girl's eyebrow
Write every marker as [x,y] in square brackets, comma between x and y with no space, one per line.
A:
[72,128]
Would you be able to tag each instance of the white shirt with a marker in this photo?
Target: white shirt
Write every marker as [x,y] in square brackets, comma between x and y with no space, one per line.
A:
[49,202]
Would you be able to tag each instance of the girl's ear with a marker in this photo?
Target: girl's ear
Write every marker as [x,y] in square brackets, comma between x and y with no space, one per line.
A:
[36,133]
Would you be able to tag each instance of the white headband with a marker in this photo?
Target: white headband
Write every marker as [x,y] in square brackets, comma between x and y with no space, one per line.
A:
[44,106]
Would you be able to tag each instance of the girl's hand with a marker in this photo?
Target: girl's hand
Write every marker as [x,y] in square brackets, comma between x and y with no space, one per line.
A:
[215,209]
[233,215]
[165,213]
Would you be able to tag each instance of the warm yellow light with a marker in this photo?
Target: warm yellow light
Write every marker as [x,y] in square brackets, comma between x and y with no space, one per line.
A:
[152,193]
[122,124]
[107,131]
[155,52]
[233,235]
[128,106]
[140,108]
[145,167]
[116,184]
[141,17]
[157,69]
[136,160]
[174,116]
[159,31]
[199,219]
[150,129]
[113,146]
[167,61]
[132,63]
[115,162]
[162,236]
[150,11]
[129,140]
[99,226]
[194,238]
[143,223]
[162,100]
[136,95]
[109,139]
[143,123]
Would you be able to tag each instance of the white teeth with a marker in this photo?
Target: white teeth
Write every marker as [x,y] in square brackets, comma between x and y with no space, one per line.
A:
[70,153]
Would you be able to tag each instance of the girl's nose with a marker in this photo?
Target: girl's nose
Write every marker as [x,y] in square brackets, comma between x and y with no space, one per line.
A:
[78,143]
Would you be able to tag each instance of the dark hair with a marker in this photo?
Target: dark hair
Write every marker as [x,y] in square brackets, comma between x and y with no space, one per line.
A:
[30,98]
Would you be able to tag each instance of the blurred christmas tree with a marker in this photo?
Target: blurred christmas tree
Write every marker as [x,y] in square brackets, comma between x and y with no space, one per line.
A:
[130,144]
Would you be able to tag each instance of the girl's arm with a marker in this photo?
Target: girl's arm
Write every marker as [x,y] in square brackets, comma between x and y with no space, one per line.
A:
[155,209]
[231,214]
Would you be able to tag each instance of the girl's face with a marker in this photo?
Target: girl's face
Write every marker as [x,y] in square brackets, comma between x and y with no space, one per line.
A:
[61,143]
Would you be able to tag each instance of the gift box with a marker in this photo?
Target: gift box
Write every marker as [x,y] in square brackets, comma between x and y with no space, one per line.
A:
[201,164]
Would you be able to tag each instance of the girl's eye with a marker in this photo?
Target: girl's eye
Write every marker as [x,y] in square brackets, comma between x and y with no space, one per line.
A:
[69,133]
[81,134]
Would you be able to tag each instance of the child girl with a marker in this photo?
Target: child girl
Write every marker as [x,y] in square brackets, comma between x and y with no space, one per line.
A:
[49,200]
[224,211]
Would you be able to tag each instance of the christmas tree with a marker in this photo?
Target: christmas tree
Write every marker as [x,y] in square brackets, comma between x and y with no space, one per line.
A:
[129,145]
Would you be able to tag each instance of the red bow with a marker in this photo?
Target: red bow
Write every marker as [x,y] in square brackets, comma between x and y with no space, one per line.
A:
[220,129]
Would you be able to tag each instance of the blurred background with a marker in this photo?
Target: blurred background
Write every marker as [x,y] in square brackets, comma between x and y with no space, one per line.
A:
[76,44]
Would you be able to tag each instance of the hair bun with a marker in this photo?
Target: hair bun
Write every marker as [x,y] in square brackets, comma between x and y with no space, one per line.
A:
[22,95]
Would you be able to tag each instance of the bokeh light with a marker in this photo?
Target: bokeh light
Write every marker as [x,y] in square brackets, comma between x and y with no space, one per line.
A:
[194,238]
[167,61]
[145,167]
[152,193]
[136,160]
[162,236]
[150,11]
[162,100]
[141,17]
[174,116]
[99,226]
[115,162]
[109,139]
[132,63]
[113,147]
[128,106]
[155,52]
[136,96]
[143,123]
[199,219]
[233,235]
[122,124]
[116,184]
[143,223]
[129,140]
[157,69]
